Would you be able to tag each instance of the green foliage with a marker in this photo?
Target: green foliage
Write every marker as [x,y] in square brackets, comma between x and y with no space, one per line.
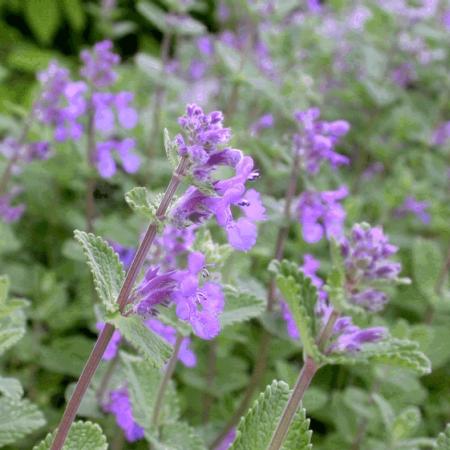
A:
[43,17]
[141,200]
[150,345]
[17,419]
[256,428]
[240,306]
[443,439]
[391,351]
[82,436]
[10,387]
[106,268]
[301,297]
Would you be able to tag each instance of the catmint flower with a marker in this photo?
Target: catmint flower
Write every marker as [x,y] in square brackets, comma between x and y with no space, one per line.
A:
[105,162]
[8,212]
[317,139]
[264,122]
[169,334]
[321,213]
[442,134]
[99,64]
[228,440]
[126,254]
[413,206]
[155,289]
[206,138]
[198,304]
[113,346]
[205,45]
[367,261]
[120,405]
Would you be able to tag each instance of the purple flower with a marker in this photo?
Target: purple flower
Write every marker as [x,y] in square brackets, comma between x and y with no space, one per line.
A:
[99,63]
[113,346]
[126,254]
[227,440]
[106,164]
[155,289]
[205,44]
[8,212]
[120,405]
[264,122]
[321,213]
[411,205]
[169,334]
[316,142]
[367,260]
[199,305]
[291,326]
[441,134]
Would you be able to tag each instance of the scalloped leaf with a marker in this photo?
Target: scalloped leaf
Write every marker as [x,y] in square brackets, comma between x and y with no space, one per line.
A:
[143,383]
[150,345]
[105,266]
[10,387]
[82,436]
[240,306]
[395,352]
[301,297]
[141,200]
[256,428]
[171,149]
[443,439]
[405,424]
[177,436]
[17,419]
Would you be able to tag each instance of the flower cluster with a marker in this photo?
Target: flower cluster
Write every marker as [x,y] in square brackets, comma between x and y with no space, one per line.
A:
[320,213]
[346,336]
[413,206]
[367,262]
[317,140]
[77,107]
[120,405]
[204,145]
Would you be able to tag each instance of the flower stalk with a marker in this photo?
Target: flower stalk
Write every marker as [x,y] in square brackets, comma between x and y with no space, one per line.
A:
[108,330]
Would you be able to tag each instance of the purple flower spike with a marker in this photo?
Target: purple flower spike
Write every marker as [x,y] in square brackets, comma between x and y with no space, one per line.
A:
[317,139]
[99,64]
[321,213]
[120,405]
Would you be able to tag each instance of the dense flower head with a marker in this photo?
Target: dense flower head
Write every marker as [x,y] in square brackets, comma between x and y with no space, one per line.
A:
[320,213]
[169,334]
[206,137]
[99,64]
[412,206]
[317,139]
[120,405]
[367,254]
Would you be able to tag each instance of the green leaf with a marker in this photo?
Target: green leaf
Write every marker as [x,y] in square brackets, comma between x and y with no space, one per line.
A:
[427,264]
[171,149]
[141,200]
[12,328]
[256,428]
[4,289]
[82,436]
[43,17]
[155,15]
[10,387]
[177,436]
[143,384]
[151,346]
[299,435]
[405,424]
[443,439]
[301,297]
[240,306]
[74,12]
[105,266]
[216,254]
[17,419]
[395,352]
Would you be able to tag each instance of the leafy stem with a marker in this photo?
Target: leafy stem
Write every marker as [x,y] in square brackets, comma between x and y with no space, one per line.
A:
[125,291]
[303,381]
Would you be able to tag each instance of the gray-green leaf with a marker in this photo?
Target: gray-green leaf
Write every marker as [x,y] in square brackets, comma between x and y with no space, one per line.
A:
[17,419]
[144,202]
[105,266]
[82,436]
[443,439]
[151,346]
[10,387]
